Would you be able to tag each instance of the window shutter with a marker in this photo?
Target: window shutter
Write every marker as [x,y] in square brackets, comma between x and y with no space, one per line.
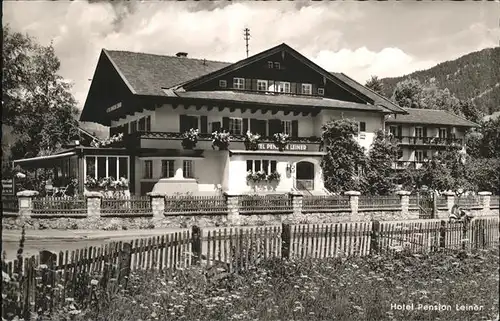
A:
[275,126]
[400,130]
[295,128]
[362,126]
[204,124]
[245,126]
[314,89]
[254,125]
[225,123]
[183,123]
[424,131]
[248,84]
[148,123]
[424,154]
[293,87]
[299,88]
[215,126]
[112,131]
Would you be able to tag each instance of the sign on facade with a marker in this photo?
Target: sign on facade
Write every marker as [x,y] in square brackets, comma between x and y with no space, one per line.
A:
[8,186]
[272,146]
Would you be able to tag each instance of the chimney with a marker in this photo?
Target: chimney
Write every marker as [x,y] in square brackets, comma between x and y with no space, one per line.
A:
[182,54]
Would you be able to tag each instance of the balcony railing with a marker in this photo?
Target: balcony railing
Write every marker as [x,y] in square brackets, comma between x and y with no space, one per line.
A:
[208,137]
[432,141]
[407,164]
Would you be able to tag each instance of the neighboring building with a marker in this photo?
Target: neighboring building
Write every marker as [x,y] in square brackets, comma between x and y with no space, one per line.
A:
[424,132]
[154,99]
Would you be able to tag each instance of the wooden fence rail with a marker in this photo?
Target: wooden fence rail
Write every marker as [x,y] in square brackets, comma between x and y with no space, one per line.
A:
[320,203]
[265,204]
[126,206]
[379,202]
[193,205]
[50,279]
[59,206]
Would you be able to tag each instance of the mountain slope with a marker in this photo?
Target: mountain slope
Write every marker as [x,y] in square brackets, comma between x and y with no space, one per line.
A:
[474,76]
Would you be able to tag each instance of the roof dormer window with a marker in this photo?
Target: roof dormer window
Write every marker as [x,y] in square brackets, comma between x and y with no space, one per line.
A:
[321,91]
[222,83]
[277,65]
[270,64]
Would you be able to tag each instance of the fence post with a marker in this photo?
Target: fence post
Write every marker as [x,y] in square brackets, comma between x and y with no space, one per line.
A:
[196,235]
[157,204]
[442,234]
[297,201]
[93,200]
[285,240]
[26,203]
[404,200]
[375,235]
[125,261]
[233,209]
[450,200]
[485,199]
[353,201]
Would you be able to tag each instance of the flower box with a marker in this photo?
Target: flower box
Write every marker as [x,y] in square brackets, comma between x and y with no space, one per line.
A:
[190,138]
[220,140]
[281,140]
[251,141]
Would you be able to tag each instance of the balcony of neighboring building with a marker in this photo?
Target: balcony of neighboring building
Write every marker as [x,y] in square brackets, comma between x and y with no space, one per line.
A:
[402,165]
[429,141]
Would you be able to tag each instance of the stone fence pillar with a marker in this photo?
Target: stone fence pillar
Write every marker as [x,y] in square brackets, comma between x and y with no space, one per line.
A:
[93,204]
[26,203]
[233,209]
[297,200]
[450,200]
[404,201]
[353,201]
[157,204]
[485,201]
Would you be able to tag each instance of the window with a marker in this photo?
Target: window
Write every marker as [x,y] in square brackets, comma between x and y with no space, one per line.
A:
[266,166]
[148,123]
[393,130]
[222,83]
[148,169]
[142,124]
[287,127]
[321,91]
[187,169]
[277,65]
[283,87]
[106,166]
[133,126]
[420,156]
[400,154]
[419,132]
[235,126]
[167,168]
[362,126]
[261,85]
[442,132]
[306,89]
[239,83]
[270,64]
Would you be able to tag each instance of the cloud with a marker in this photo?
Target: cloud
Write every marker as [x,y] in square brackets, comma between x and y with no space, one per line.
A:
[358,39]
[362,63]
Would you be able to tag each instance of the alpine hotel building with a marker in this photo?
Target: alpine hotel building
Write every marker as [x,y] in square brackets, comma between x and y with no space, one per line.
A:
[154,99]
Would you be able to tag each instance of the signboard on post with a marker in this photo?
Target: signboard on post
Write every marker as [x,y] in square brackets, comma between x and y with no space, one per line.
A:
[8,186]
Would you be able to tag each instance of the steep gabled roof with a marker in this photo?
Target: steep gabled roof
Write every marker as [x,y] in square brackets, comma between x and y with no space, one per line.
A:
[146,74]
[377,98]
[431,117]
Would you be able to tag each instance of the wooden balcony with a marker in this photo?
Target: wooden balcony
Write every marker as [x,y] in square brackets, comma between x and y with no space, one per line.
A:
[400,165]
[429,141]
[173,140]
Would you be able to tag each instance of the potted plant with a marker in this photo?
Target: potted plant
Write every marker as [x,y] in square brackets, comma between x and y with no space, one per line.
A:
[274,177]
[252,141]
[220,140]
[281,140]
[256,177]
[190,138]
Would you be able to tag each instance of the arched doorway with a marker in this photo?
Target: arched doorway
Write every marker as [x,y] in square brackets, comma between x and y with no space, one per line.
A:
[304,178]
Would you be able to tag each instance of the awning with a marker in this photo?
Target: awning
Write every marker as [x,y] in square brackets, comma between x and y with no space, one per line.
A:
[41,160]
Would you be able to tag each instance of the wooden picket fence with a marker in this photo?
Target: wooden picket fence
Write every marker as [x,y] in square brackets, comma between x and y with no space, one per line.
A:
[195,205]
[50,279]
[275,203]
[389,202]
[126,206]
[325,203]
[59,206]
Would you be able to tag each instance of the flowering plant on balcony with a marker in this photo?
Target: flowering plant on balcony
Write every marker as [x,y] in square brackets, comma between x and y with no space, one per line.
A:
[252,141]
[274,176]
[106,183]
[281,140]
[190,138]
[220,140]
[108,141]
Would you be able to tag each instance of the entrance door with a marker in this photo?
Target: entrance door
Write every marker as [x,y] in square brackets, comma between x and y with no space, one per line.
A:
[304,179]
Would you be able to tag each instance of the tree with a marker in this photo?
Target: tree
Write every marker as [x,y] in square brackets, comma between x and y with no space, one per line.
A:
[490,144]
[38,104]
[344,161]
[407,93]
[381,157]
[485,174]
[375,84]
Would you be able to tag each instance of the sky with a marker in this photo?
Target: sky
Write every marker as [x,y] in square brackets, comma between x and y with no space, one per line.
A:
[360,39]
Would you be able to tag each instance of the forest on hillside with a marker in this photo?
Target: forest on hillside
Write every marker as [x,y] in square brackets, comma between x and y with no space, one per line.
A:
[474,76]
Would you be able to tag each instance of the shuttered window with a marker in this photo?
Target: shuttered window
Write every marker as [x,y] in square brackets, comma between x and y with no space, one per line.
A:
[287,127]
[235,126]
[167,168]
